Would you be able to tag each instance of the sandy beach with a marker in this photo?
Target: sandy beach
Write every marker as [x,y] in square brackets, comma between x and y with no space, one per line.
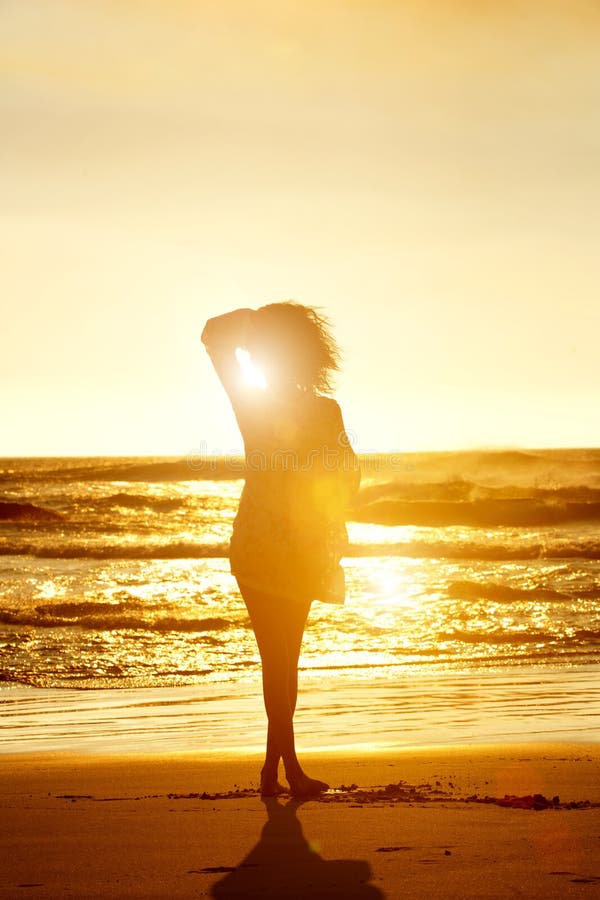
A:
[446,821]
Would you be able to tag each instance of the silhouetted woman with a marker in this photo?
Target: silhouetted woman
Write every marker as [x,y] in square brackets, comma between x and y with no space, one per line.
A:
[289,534]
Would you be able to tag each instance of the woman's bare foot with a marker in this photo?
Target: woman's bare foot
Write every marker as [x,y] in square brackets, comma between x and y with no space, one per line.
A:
[303,786]
[270,786]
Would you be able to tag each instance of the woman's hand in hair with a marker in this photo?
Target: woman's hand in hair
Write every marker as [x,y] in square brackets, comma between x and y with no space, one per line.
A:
[229,329]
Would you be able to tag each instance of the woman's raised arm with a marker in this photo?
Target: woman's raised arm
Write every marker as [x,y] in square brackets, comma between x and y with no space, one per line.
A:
[221,336]
[230,329]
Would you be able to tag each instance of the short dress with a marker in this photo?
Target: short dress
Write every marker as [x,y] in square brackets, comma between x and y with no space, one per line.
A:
[289,534]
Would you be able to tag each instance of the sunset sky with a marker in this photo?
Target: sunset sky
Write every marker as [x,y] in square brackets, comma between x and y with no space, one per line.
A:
[427,173]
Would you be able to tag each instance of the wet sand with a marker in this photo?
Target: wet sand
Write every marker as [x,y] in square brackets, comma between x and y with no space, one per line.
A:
[487,821]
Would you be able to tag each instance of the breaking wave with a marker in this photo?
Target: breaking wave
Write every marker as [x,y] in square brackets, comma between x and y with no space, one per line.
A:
[557,549]
[132,615]
[521,512]
[504,593]
[27,512]
[97,550]
[141,501]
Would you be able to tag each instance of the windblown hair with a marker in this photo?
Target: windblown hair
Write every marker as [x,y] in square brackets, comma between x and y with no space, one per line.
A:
[298,340]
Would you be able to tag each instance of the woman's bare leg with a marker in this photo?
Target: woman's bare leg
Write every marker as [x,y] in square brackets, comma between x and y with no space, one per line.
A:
[300,783]
[292,631]
[278,631]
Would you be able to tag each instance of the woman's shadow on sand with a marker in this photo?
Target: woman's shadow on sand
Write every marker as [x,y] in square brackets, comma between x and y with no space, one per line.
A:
[284,865]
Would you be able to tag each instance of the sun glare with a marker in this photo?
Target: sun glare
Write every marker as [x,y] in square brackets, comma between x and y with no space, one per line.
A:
[251,375]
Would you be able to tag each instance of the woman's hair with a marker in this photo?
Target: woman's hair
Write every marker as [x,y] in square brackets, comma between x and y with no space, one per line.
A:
[297,340]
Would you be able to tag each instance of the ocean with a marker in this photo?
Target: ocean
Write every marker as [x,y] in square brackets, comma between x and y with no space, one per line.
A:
[115,574]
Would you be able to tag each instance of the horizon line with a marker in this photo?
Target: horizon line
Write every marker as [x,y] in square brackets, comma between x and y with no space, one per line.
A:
[484,448]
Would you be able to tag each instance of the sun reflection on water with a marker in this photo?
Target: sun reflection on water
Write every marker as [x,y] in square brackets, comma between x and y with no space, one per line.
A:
[395,584]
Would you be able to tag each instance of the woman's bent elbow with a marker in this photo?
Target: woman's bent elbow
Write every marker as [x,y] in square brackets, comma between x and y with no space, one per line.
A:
[229,327]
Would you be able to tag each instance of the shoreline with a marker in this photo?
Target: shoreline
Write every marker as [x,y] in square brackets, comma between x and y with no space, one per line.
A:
[405,824]
[503,707]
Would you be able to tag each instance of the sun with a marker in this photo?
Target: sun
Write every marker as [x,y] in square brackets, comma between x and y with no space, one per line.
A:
[251,374]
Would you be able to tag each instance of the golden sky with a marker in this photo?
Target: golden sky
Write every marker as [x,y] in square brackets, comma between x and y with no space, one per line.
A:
[427,173]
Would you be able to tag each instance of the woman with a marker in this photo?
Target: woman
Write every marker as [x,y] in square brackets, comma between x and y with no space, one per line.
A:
[289,534]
